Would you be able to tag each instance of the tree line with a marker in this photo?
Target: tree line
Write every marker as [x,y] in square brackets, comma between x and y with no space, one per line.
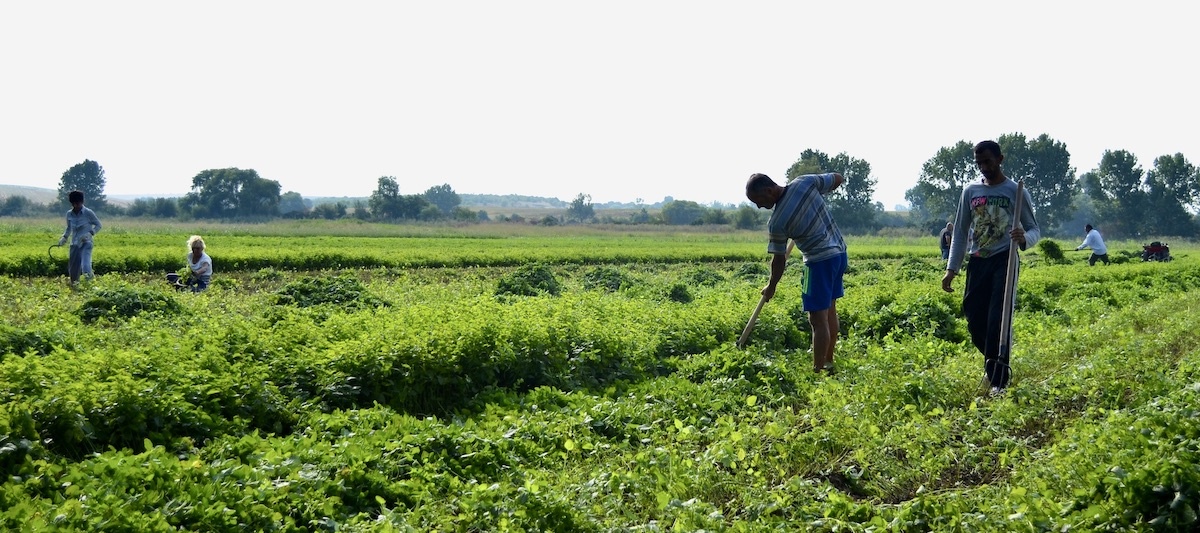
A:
[1118,195]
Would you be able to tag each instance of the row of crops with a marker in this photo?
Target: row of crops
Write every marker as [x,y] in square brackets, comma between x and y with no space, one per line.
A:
[124,247]
[598,395]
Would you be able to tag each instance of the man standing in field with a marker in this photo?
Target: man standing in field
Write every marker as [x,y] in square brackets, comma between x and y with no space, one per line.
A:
[83,224]
[944,239]
[1093,240]
[986,209]
[801,214]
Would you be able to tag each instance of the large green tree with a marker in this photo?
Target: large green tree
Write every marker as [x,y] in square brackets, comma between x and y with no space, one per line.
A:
[1117,190]
[581,208]
[1044,165]
[154,207]
[386,203]
[231,193]
[1172,186]
[444,197]
[746,217]
[935,198]
[292,203]
[88,178]
[385,200]
[682,212]
[1164,213]
[1178,177]
[851,204]
[15,206]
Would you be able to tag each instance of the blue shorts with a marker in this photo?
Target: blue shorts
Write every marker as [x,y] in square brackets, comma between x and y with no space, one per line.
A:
[823,282]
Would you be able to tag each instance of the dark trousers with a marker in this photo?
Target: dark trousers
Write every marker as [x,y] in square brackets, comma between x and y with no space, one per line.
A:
[1097,257]
[983,305]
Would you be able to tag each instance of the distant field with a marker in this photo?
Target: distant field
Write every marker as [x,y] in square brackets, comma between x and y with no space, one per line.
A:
[34,194]
[536,213]
[138,245]
[40,195]
[132,245]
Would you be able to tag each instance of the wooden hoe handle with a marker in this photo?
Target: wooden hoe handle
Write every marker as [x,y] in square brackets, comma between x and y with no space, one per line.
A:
[745,338]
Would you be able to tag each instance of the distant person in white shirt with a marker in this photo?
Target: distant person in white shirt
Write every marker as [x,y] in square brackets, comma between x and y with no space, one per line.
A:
[82,226]
[1093,240]
[200,264]
[200,267]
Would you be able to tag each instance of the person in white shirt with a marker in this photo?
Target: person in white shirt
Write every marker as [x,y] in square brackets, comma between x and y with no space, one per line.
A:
[200,264]
[1093,240]
[82,226]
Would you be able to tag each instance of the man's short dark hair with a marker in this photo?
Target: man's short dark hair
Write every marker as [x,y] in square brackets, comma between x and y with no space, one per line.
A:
[75,196]
[1087,227]
[759,183]
[989,146]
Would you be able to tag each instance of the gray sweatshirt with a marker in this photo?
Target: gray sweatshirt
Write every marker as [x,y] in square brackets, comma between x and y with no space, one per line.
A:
[986,212]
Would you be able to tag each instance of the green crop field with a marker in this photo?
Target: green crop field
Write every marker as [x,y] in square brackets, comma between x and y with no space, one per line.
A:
[362,377]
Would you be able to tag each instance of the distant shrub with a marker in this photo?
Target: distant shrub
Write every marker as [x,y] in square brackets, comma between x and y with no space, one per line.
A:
[865,266]
[125,302]
[266,274]
[340,290]
[705,277]
[606,278]
[264,279]
[20,342]
[529,280]
[679,292]
[752,271]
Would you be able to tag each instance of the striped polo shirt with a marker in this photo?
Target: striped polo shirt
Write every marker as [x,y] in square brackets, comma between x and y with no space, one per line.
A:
[802,214]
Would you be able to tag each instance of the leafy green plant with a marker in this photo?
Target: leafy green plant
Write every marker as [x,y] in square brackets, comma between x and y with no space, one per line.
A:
[267,274]
[1051,251]
[705,277]
[125,302]
[606,278]
[679,292]
[752,271]
[1125,256]
[339,290]
[529,280]
[910,313]
[20,342]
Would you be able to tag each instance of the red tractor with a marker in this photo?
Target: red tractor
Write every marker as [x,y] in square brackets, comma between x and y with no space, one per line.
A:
[1156,251]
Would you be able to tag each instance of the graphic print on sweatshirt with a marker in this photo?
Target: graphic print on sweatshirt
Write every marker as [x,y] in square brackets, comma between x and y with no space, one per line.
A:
[991,217]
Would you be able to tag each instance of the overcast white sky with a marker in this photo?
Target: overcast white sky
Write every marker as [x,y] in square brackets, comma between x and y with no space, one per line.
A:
[617,99]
